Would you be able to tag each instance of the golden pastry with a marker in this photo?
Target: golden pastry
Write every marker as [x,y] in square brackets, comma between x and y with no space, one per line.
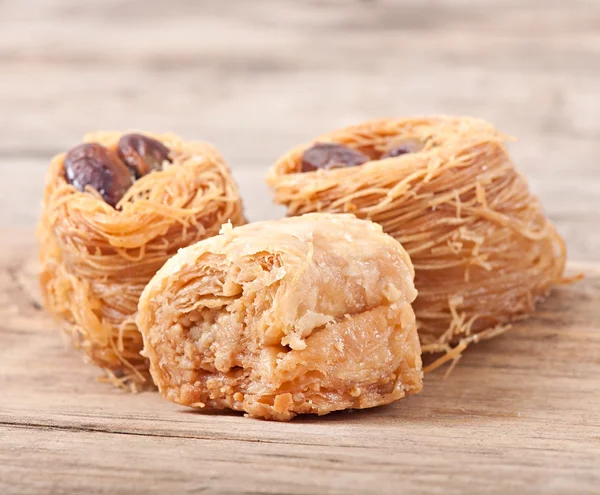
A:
[447,189]
[115,209]
[302,315]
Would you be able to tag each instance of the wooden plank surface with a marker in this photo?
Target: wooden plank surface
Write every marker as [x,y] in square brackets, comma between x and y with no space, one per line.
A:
[519,413]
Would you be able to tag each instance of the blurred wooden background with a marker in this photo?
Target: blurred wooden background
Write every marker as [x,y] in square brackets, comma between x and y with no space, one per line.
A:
[256,77]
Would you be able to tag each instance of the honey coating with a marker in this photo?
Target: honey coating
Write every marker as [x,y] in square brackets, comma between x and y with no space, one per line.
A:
[301,315]
[96,257]
[447,189]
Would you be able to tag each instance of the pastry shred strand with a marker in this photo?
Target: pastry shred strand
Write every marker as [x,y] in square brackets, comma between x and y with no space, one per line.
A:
[483,250]
[96,259]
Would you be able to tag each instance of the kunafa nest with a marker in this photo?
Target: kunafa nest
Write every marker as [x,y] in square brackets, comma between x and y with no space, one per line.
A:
[446,188]
[96,258]
[300,315]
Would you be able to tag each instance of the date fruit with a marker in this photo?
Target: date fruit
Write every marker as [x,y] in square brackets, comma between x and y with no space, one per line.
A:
[91,164]
[327,156]
[142,154]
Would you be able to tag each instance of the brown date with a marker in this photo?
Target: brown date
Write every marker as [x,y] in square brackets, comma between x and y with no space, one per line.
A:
[331,155]
[91,164]
[142,154]
[402,149]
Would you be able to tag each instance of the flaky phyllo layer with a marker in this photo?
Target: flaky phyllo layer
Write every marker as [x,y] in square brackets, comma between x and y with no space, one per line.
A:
[302,315]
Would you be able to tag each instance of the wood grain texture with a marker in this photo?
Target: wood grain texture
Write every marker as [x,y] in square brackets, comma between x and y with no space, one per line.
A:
[258,77]
[520,413]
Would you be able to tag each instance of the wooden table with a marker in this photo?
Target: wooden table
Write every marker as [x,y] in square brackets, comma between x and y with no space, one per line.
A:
[520,414]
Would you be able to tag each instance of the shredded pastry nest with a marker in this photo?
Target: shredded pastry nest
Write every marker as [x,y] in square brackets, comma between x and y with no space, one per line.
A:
[96,260]
[483,250]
